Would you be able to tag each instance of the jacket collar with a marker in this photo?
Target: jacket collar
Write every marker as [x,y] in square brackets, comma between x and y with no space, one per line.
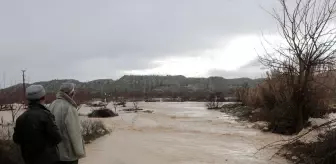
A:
[64,96]
[36,105]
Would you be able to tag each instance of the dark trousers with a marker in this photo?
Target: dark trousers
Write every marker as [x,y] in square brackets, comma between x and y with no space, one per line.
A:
[68,162]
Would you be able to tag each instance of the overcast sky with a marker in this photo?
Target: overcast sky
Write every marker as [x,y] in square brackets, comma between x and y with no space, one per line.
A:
[86,39]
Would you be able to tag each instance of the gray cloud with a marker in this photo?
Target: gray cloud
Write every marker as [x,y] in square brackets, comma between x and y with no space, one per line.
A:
[253,69]
[86,39]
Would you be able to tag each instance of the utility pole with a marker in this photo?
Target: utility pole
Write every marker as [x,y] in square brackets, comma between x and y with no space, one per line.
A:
[24,84]
[4,80]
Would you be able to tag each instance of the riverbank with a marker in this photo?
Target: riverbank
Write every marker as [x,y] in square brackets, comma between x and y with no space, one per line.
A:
[314,144]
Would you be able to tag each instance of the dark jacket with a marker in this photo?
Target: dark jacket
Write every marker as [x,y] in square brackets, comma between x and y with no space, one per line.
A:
[37,134]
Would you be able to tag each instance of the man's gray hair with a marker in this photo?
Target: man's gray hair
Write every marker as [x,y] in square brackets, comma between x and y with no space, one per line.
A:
[67,88]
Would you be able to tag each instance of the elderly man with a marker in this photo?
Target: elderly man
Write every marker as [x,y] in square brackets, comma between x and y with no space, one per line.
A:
[65,110]
[35,130]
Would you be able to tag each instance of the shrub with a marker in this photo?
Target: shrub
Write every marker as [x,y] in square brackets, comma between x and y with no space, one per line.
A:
[238,110]
[213,105]
[102,113]
[280,101]
[6,131]
[93,129]
[10,153]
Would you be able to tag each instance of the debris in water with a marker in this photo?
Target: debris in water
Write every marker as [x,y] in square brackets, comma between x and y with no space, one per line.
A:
[132,110]
[148,111]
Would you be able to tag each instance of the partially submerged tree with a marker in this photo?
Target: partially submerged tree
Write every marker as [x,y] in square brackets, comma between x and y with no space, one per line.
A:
[135,103]
[135,107]
[213,105]
[115,105]
[308,54]
[214,102]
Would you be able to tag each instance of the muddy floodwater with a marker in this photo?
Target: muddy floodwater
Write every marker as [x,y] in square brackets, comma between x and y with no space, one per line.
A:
[179,133]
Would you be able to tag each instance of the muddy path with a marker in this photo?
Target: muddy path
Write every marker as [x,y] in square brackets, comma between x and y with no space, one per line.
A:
[179,133]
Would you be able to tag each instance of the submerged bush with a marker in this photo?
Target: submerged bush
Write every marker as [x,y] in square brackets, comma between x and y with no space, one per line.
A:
[93,129]
[213,105]
[132,110]
[102,113]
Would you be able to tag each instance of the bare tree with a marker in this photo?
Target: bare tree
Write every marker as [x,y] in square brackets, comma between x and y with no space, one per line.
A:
[135,104]
[15,109]
[309,49]
[115,105]
[214,103]
[3,106]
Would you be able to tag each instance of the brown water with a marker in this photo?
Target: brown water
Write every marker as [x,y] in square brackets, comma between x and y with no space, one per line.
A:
[179,133]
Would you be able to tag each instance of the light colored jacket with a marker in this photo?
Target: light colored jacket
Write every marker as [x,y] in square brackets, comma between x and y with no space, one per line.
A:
[65,110]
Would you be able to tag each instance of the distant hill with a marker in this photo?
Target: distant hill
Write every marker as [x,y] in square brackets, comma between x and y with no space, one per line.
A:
[133,83]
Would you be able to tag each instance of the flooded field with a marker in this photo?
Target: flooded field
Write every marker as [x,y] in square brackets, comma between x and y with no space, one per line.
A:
[179,133]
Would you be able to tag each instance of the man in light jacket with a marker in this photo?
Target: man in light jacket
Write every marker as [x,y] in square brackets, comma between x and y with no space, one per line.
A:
[65,110]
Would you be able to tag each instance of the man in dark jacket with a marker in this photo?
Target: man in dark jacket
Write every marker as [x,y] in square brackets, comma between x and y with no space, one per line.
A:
[35,130]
